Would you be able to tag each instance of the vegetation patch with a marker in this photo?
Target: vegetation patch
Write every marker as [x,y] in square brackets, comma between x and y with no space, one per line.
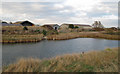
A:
[95,61]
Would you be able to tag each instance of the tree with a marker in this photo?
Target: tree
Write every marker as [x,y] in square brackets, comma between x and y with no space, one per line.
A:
[71,26]
[10,22]
[25,28]
[76,27]
[44,32]
[97,24]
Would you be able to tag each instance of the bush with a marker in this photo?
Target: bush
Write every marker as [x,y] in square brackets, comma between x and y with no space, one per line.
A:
[71,26]
[44,32]
[76,27]
[98,29]
[112,32]
[25,28]
[37,31]
[56,32]
[109,31]
[52,32]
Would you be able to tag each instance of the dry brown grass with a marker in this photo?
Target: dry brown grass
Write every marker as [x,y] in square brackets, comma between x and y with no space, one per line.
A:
[21,38]
[94,61]
[65,36]
[13,28]
[16,34]
[28,36]
[16,38]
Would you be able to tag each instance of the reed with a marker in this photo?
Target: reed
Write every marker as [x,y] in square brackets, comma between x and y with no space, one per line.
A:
[94,61]
[21,38]
[16,38]
[65,36]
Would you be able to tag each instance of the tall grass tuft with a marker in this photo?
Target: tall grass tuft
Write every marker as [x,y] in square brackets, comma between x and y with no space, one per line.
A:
[94,61]
[65,36]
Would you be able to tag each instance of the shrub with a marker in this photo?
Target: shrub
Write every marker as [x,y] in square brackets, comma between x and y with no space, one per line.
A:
[52,32]
[37,31]
[56,32]
[76,27]
[71,26]
[109,31]
[25,28]
[98,29]
[108,49]
[44,32]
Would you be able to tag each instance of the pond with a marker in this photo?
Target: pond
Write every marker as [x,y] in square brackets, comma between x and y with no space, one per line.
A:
[48,49]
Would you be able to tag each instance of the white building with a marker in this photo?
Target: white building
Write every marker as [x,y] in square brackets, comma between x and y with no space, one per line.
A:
[54,26]
[82,26]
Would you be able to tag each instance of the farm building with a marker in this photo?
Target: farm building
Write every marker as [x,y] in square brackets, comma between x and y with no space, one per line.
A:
[20,23]
[25,23]
[82,26]
[52,26]
[9,24]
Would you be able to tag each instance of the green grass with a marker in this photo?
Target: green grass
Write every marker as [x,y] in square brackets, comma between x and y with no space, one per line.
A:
[94,61]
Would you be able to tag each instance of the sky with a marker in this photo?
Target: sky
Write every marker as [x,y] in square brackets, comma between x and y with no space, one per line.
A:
[61,11]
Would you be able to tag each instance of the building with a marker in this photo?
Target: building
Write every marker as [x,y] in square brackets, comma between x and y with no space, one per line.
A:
[9,24]
[64,26]
[24,23]
[82,26]
[20,23]
[52,26]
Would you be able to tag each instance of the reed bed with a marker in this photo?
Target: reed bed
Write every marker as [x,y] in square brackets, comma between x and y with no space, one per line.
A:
[66,36]
[94,61]
[21,38]
[14,38]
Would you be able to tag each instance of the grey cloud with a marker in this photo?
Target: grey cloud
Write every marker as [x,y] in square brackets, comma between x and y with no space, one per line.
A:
[48,11]
[111,7]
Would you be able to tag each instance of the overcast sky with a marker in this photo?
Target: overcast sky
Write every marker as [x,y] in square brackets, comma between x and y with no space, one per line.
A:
[62,11]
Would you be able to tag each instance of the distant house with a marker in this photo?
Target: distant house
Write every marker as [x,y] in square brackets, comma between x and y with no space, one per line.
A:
[82,26]
[52,26]
[64,26]
[114,28]
[9,24]
[25,23]
[20,23]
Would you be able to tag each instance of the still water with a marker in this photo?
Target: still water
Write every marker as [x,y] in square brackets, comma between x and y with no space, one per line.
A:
[48,49]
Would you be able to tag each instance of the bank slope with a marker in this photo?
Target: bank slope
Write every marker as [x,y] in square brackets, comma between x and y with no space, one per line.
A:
[94,61]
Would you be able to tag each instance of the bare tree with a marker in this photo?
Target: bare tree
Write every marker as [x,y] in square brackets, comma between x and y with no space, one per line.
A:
[97,24]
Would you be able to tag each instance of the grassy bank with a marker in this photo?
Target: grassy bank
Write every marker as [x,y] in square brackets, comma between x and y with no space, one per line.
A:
[16,38]
[21,38]
[94,61]
[65,36]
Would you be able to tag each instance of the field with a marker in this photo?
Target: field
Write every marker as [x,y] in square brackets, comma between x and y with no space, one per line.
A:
[93,61]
